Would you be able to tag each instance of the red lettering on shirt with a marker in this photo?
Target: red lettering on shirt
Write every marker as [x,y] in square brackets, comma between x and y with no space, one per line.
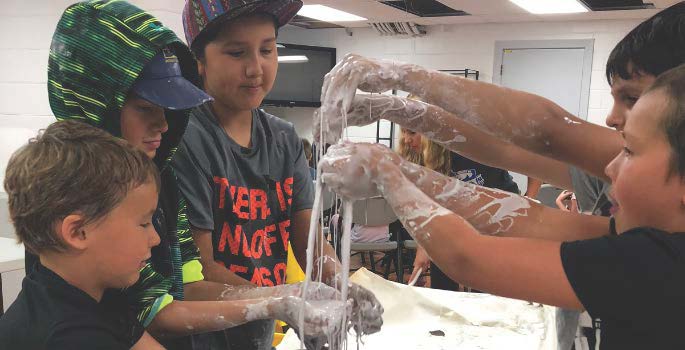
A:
[239,244]
[260,277]
[233,239]
[232,189]
[258,201]
[257,246]
[288,187]
[269,240]
[283,230]
[241,201]
[222,191]
[238,269]
[281,199]
[279,273]
[246,249]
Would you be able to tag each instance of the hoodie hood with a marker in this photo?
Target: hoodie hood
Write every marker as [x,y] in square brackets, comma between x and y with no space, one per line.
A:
[98,50]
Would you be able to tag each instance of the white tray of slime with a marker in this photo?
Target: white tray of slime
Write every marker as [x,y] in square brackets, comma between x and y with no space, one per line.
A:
[417,318]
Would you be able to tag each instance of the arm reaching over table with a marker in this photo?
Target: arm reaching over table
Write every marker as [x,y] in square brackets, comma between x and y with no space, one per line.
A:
[235,305]
[528,121]
[358,171]
[485,262]
[450,131]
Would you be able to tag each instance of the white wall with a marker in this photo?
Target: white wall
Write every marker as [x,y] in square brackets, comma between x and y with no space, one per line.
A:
[26,29]
[468,46]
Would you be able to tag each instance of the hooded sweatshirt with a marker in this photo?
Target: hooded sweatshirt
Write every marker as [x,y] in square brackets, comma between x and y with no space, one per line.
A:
[98,50]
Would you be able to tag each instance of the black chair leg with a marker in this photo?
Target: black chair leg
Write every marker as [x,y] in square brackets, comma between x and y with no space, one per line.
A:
[399,267]
[387,261]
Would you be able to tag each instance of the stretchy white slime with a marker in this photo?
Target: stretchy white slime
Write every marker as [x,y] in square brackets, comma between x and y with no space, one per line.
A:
[317,212]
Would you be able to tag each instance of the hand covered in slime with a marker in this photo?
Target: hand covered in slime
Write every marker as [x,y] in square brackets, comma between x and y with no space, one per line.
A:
[354,170]
[363,170]
[367,311]
[366,109]
[341,84]
[323,310]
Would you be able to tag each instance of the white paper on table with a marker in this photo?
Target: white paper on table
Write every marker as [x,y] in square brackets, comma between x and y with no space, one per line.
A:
[468,320]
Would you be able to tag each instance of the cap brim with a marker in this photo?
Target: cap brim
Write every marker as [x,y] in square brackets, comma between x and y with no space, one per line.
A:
[175,93]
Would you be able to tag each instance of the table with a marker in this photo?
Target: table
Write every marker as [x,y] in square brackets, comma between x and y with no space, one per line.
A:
[464,320]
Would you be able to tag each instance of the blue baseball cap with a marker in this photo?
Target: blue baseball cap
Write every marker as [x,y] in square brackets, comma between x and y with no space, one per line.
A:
[162,83]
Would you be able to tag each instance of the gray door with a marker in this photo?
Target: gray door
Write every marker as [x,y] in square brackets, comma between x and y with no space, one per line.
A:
[556,74]
[557,70]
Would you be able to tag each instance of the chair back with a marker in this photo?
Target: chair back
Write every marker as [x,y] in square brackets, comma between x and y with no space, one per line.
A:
[373,212]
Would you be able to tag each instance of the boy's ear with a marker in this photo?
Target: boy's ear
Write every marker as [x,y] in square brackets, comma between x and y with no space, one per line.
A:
[200,68]
[72,232]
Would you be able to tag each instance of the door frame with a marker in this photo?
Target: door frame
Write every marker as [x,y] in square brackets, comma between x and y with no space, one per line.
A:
[587,44]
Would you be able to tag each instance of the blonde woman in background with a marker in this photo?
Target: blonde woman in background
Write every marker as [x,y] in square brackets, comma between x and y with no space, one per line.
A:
[437,158]
[410,146]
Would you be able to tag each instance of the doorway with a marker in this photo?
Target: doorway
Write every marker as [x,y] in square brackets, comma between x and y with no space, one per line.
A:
[558,70]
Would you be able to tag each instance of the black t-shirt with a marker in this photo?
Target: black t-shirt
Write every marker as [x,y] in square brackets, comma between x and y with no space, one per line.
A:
[51,314]
[634,282]
[476,173]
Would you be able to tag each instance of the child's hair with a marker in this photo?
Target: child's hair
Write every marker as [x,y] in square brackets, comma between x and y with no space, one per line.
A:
[653,47]
[71,167]
[672,84]
[407,152]
[307,147]
[436,157]
[212,32]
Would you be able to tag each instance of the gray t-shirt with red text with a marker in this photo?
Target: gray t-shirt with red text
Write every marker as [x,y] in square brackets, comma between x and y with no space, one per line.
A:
[245,196]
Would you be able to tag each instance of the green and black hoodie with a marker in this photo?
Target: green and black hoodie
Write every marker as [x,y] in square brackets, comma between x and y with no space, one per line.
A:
[98,50]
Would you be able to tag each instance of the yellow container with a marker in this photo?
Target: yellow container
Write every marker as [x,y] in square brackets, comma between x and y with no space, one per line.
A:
[293,271]
[293,274]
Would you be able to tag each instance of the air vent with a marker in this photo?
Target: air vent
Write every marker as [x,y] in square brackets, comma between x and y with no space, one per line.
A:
[615,5]
[425,8]
[310,23]
[408,29]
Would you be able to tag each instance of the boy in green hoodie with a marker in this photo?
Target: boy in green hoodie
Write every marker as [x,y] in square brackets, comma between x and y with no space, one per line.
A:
[116,67]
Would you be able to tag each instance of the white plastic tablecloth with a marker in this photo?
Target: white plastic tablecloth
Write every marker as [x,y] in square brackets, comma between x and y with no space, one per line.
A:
[468,320]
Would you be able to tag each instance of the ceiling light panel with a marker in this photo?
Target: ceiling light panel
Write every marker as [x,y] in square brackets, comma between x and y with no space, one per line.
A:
[541,7]
[328,14]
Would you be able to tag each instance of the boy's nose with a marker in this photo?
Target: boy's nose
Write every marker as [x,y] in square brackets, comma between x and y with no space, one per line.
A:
[154,239]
